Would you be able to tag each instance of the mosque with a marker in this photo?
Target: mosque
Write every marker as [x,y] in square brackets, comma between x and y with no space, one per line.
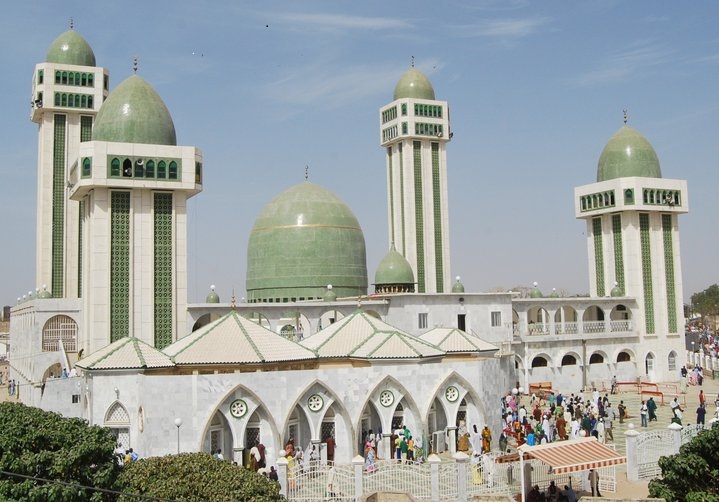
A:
[314,350]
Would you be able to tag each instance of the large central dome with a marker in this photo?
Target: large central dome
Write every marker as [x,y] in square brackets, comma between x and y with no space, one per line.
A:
[305,239]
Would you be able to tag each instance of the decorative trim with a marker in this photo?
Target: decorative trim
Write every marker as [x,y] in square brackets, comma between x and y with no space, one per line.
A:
[669,272]
[238,408]
[386,398]
[598,255]
[315,403]
[646,249]
[451,393]
[419,215]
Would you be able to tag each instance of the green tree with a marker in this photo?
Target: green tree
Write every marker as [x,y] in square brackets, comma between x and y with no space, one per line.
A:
[46,445]
[190,477]
[693,474]
[706,302]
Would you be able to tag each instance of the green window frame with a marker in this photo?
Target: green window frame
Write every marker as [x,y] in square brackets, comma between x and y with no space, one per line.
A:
[86,167]
[198,172]
[150,169]
[172,171]
[85,128]
[40,76]
[139,168]
[161,170]
[115,167]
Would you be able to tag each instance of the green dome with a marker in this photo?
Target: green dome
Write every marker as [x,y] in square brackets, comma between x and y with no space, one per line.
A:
[536,293]
[458,287]
[394,269]
[134,113]
[414,84]
[71,48]
[303,240]
[627,154]
[212,297]
[616,290]
[330,296]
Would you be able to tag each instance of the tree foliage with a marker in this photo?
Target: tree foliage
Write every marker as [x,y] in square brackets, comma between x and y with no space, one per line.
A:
[693,474]
[47,445]
[706,302]
[190,477]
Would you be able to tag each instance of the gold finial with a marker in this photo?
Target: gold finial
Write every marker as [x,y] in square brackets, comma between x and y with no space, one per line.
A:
[134,64]
[626,116]
[412,62]
[233,303]
[72,24]
[307,173]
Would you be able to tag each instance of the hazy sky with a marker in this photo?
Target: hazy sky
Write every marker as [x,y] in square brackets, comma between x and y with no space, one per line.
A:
[264,88]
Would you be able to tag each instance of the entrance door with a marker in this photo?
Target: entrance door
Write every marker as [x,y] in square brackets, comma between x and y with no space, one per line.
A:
[461,321]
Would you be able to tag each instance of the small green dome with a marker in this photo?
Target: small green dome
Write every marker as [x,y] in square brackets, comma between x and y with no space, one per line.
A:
[536,293]
[627,154]
[394,269]
[554,293]
[71,48]
[212,296]
[134,113]
[414,84]
[304,239]
[330,295]
[617,290]
[458,287]
[44,294]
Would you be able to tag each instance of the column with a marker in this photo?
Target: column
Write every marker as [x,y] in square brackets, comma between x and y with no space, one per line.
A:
[237,455]
[632,457]
[282,475]
[358,464]
[452,439]
[461,459]
[676,436]
[434,462]
[387,446]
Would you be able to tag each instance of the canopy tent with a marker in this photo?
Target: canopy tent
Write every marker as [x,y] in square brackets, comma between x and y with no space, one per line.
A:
[566,456]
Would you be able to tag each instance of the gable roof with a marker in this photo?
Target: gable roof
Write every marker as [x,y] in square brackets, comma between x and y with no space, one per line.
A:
[234,339]
[456,340]
[361,335]
[126,353]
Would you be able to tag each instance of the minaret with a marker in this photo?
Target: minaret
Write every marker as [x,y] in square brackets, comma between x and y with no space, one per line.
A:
[67,91]
[134,181]
[633,245]
[414,130]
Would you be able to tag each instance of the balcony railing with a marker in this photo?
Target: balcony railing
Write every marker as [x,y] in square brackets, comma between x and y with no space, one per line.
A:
[576,328]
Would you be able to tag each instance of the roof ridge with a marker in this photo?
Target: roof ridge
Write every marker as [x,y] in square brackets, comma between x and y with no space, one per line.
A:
[138,351]
[124,339]
[249,339]
[199,337]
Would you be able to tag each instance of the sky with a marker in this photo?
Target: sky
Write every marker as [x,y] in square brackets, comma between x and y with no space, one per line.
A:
[266,88]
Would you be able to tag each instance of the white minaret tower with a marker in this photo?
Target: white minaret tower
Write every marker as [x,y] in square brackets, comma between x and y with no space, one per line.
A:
[134,181]
[633,245]
[67,91]
[414,129]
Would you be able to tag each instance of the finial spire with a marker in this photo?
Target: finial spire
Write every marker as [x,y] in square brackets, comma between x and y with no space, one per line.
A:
[626,116]
[72,24]
[134,64]
[412,62]
[307,172]
[233,302]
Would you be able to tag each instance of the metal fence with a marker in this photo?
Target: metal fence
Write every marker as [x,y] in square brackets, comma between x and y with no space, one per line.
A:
[650,447]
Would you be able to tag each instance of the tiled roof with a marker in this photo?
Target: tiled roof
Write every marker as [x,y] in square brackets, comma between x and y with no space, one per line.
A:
[126,353]
[233,339]
[361,335]
[456,340]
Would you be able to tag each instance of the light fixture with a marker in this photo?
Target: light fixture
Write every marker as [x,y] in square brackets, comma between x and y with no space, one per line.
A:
[178,424]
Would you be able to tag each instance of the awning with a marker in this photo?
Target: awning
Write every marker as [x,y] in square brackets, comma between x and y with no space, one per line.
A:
[570,456]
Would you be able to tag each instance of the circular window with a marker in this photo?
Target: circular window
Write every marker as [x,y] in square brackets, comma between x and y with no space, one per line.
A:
[315,402]
[452,393]
[386,398]
[238,408]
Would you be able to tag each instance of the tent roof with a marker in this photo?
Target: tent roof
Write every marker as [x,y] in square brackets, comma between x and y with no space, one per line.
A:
[570,456]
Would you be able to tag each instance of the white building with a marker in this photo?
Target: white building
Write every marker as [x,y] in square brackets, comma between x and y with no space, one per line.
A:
[295,361]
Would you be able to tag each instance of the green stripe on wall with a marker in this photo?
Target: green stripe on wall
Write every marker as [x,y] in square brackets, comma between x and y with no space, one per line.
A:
[618,250]
[58,207]
[419,215]
[647,272]
[669,271]
[401,202]
[437,210]
[119,265]
[598,255]
[80,217]
[163,269]
[391,192]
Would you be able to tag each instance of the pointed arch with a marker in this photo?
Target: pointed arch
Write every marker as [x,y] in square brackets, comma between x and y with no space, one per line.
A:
[390,382]
[454,378]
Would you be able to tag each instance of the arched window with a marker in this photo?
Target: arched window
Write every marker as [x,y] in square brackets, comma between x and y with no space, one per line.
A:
[115,167]
[71,101]
[57,99]
[139,168]
[91,80]
[63,101]
[86,167]
[539,362]
[57,328]
[569,360]
[127,168]
[89,101]
[64,77]
[596,358]
[672,361]
[161,170]
[623,357]
[150,169]
[83,101]
[117,419]
[649,363]
[173,170]
[629,196]
[84,79]
[58,77]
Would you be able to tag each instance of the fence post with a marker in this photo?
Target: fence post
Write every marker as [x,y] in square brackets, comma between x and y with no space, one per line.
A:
[434,461]
[632,454]
[282,476]
[676,436]
[452,439]
[461,459]
[358,463]
[387,446]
